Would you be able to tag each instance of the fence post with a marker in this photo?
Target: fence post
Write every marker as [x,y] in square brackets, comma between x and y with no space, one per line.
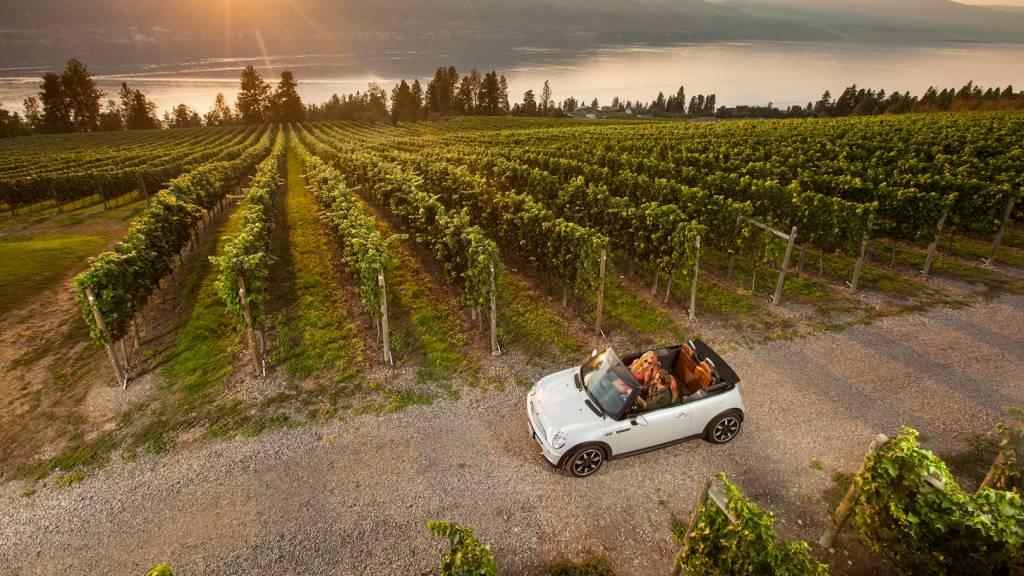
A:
[56,199]
[250,336]
[785,264]
[935,244]
[693,284]
[385,332]
[107,341]
[600,292]
[1002,228]
[495,349]
[846,505]
[684,547]
[142,187]
[732,252]
[860,262]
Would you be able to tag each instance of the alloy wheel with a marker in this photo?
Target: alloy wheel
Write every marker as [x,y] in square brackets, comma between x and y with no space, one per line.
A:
[587,462]
[726,429]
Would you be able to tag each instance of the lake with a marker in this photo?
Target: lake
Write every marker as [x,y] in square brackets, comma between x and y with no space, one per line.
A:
[784,73]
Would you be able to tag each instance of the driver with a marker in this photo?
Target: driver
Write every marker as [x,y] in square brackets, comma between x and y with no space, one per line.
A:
[621,387]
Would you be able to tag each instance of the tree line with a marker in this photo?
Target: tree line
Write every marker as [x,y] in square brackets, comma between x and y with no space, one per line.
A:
[855,101]
[71,102]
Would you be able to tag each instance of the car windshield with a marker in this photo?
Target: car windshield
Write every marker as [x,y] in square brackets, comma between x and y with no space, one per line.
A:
[608,381]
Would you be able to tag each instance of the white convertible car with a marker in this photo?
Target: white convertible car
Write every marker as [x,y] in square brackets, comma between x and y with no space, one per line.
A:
[583,416]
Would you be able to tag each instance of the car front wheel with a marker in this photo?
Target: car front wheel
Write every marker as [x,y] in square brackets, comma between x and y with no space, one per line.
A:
[723,428]
[585,461]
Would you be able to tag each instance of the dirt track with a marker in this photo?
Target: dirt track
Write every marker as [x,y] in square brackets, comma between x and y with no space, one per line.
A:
[352,497]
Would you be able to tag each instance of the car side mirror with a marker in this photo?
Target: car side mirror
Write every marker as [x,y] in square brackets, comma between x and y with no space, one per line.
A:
[638,421]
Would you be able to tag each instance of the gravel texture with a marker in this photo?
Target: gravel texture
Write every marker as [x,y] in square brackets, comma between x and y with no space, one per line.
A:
[352,497]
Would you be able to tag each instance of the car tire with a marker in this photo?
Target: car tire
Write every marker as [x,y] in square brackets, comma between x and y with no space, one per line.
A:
[585,460]
[723,428]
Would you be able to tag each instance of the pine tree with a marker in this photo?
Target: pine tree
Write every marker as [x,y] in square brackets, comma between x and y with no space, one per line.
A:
[253,102]
[82,96]
[680,100]
[416,102]
[220,113]
[56,114]
[709,105]
[138,112]
[503,106]
[545,98]
[33,114]
[464,99]
[286,103]
[529,107]
[490,94]
[111,119]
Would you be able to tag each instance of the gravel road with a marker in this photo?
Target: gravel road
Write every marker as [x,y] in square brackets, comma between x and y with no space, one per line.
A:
[352,497]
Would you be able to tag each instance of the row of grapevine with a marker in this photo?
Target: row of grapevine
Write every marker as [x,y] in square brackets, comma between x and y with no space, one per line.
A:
[730,534]
[364,251]
[464,253]
[827,222]
[118,283]
[967,162]
[244,263]
[550,244]
[149,171]
[908,508]
[136,149]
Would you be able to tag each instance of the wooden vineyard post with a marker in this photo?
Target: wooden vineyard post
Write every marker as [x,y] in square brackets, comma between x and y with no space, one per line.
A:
[124,354]
[495,349]
[732,252]
[250,335]
[1012,447]
[142,188]
[800,261]
[684,547]
[56,199]
[600,293]
[693,284]
[385,332]
[846,505]
[1002,228]
[103,196]
[860,263]
[108,342]
[785,264]
[934,245]
[135,336]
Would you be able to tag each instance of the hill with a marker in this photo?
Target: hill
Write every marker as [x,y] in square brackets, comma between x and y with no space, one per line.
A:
[904,21]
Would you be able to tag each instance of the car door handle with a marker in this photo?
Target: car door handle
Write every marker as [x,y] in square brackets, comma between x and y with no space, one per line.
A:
[682,414]
[621,430]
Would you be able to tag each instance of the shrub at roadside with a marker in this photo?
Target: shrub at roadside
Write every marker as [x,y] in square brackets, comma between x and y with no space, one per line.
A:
[467,555]
[911,511]
[719,546]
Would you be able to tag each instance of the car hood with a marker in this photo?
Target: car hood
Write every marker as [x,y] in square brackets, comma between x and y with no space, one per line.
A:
[560,405]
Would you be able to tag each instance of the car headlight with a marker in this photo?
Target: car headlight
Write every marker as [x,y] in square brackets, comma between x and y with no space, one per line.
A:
[558,440]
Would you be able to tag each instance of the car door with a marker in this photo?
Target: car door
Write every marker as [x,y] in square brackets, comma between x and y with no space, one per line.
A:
[649,429]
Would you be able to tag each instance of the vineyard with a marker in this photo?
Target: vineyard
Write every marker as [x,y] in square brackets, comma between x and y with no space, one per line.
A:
[261,277]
